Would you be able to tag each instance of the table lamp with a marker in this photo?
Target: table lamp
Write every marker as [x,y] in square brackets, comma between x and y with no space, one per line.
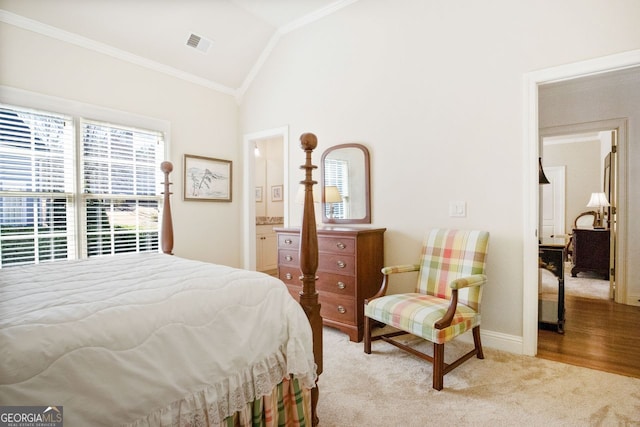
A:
[598,201]
[331,196]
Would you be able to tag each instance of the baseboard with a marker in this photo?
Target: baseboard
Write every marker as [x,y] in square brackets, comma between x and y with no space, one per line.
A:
[497,340]
[633,300]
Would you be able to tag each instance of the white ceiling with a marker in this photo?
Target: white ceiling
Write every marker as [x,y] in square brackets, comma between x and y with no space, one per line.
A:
[154,33]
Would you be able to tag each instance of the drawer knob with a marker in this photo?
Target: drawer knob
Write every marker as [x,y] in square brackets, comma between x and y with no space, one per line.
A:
[341,264]
[288,258]
[341,245]
[288,276]
[288,241]
[341,285]
[341,309]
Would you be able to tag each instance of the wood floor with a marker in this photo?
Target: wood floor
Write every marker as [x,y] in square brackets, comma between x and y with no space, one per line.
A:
[599,334]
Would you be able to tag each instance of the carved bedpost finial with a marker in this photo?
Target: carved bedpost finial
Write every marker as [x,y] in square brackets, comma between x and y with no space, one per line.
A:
[166,167]
[167,223]
[308,141]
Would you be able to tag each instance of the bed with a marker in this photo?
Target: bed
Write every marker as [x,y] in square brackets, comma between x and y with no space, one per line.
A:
[149,339]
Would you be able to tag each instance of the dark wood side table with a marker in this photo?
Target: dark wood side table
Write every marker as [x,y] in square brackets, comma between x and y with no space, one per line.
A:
[591,251]
[550,312]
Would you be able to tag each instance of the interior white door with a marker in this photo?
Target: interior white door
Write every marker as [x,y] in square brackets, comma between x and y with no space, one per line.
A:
[553,197]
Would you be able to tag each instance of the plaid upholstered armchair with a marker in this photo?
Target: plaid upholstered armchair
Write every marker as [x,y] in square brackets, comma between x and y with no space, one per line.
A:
[445,304]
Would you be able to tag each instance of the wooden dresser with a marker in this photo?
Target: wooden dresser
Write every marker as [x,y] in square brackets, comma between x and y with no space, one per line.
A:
[349,264]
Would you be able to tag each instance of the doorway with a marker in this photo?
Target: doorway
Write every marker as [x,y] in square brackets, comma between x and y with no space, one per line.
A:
[280,137]
[577,160]
[532,82]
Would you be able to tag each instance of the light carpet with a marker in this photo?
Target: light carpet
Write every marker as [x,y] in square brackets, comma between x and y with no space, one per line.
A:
[393,388]
[586,285]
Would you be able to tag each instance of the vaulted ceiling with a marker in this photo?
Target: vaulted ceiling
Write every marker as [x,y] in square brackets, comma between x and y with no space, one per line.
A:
[155,33]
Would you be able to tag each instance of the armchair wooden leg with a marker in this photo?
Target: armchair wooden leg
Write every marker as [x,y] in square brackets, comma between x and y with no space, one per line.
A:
[477,343]
[367,335]
[438,366]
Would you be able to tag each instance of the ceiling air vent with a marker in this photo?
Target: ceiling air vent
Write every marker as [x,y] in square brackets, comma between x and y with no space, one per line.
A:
[199,43]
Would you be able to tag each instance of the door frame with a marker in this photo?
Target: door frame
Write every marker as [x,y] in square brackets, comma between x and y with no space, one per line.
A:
[249,177]
[618,128]
[531,150]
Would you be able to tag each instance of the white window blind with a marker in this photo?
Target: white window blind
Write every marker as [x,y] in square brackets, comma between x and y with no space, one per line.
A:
[120,178]
[114,198]
[36,186]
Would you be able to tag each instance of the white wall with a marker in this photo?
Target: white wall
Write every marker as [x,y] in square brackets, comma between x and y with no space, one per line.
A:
[435,90]
[583,174]
[203,122]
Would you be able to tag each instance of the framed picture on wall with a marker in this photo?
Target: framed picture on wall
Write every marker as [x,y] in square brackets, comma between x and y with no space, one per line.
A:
[276,193]
[207,179]
[258,194]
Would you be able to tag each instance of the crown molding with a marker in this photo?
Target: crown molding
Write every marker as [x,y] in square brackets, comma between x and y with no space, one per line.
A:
[285,29]
[75,39]
[314,16]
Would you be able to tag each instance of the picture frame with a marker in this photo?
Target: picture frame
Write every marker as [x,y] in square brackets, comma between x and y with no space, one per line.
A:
[258,194]
[276,193]
[207,179]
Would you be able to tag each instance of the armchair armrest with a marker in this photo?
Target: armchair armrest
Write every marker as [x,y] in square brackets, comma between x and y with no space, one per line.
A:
[403,268]
[461,283]
[387,271]
[469,281]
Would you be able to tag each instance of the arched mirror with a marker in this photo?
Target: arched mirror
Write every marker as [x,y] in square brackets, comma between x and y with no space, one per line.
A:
[345,185]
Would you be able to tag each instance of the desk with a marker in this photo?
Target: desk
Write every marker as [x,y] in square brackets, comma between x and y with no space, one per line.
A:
[551,257]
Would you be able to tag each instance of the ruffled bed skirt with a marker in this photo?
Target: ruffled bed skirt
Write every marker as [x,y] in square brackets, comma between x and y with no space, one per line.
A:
[287,405]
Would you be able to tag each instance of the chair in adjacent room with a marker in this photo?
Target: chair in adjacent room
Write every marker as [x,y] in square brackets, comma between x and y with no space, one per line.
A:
[446,301]
[584,220]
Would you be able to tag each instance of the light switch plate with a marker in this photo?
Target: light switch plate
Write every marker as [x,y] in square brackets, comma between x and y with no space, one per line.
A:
[457,208]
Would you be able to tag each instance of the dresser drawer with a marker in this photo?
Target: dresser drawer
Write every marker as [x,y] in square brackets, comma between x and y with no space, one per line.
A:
[289,241]
[289,258]
[338,308]
[337,263]
[343,245]
[290,275]
[336,283]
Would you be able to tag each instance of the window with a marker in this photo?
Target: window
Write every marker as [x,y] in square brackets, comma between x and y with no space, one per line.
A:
[336,173]
[73,188]
[119,176]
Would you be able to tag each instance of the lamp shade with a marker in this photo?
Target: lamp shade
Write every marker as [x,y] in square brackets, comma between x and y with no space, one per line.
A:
[598,200]
[332,194]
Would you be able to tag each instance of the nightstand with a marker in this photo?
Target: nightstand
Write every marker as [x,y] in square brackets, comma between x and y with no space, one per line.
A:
[591,251]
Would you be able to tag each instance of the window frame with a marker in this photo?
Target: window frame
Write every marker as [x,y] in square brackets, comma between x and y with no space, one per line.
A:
[78,112]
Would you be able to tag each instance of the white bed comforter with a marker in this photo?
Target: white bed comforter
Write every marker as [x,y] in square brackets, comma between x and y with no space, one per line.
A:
[146,339]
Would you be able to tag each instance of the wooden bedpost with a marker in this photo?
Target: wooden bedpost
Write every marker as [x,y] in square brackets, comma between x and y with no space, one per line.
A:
[166,231]
[309,263]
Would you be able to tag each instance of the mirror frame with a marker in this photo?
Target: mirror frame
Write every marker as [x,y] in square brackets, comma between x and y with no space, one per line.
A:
[367,218]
